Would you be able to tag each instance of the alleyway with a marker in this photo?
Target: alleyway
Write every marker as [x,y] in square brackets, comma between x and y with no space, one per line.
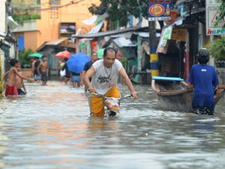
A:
[50,128]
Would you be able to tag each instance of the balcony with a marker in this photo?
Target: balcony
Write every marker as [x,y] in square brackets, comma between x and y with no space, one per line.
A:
[29,25]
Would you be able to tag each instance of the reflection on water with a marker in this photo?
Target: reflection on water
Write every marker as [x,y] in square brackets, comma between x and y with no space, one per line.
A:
[51,128]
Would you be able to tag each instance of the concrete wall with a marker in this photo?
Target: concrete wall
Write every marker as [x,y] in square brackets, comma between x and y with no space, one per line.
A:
[30,40]
[2,16]
[30,25]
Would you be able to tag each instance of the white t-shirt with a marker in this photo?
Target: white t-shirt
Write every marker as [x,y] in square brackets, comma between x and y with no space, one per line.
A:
[104,78]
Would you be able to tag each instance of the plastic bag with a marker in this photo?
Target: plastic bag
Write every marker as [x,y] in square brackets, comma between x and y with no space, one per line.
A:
[62,72]
[112,105]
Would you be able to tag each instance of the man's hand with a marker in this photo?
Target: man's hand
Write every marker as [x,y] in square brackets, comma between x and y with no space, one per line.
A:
[190,86]
[25,91]
[91,90]
[31,80]
[134,95]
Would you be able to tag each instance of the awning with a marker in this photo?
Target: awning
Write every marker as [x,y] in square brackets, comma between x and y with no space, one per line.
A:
[182,1]
[56,42]
[51,43]
[86,39]
[95,19]
[102,34]
[96,28]
[122,42]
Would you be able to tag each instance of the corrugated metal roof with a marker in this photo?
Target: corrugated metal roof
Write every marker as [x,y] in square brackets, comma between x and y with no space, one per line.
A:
[123,42]
[56,42]
[51,43]
[102,34]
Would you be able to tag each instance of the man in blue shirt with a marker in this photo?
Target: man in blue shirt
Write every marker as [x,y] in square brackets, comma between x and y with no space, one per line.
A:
[204,79]
[88,65]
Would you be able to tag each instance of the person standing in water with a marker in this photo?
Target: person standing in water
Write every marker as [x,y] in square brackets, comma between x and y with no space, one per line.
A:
[12,82]
[203,79]
[104,75]
[43,70]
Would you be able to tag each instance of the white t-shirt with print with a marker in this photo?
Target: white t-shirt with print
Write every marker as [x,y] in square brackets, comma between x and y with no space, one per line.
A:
[104,78]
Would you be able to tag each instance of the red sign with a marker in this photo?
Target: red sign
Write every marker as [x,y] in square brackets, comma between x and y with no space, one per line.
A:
[174,15]
[156,10]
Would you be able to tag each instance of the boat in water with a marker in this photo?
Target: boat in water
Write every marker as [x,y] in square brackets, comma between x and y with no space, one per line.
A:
[173,93]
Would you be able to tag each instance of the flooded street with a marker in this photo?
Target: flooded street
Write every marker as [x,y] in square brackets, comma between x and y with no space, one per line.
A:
[50,128]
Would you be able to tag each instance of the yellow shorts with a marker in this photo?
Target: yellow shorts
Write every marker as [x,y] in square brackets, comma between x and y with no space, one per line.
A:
[96,102]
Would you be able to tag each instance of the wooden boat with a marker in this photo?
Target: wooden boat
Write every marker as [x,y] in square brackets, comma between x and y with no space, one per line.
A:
[173,93]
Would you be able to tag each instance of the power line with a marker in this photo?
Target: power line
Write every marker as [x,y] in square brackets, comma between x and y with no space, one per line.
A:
[53,7]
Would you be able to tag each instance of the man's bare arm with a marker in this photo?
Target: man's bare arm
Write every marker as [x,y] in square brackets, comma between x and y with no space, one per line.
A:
[86,80]
[47,69]
[22,77]
[38,68]
[128,83]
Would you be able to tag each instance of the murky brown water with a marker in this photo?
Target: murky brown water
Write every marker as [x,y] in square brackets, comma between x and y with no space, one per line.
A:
[51,128]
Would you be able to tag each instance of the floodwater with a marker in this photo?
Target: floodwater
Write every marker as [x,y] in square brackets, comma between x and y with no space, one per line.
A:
[50,128]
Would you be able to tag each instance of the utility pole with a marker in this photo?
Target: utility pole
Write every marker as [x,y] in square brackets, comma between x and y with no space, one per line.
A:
[158,10]
[154,59]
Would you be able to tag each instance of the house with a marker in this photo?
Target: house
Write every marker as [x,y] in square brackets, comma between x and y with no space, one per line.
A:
[7,43]
[55,21]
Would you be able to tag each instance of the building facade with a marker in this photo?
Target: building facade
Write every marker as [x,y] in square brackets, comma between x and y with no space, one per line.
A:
[58,20]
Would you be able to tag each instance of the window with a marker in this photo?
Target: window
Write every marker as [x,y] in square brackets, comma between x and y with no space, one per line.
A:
[54,2]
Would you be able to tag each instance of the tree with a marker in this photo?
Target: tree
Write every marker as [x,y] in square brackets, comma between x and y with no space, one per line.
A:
[24,57]
[119,10]
[217,48]
[221,13]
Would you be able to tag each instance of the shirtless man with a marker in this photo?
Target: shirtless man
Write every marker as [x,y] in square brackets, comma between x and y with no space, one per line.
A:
[13,80]
[43,70]
[19,82]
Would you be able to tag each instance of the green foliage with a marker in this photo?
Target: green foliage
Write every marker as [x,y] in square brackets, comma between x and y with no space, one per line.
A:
[25,17]
[217,48]
[24,57]
[124,61]
[119,10]
[221,15]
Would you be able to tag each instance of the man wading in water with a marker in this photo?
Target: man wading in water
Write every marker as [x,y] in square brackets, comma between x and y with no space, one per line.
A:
[104,75]
[203,79]
[43,70]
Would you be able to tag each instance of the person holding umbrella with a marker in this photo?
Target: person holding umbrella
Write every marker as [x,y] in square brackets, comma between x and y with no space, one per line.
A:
[67,74]
[104,75]
[76,65]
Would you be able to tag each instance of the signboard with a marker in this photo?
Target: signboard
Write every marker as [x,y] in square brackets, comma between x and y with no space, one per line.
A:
[212,7]
[179,34]
[159,10]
